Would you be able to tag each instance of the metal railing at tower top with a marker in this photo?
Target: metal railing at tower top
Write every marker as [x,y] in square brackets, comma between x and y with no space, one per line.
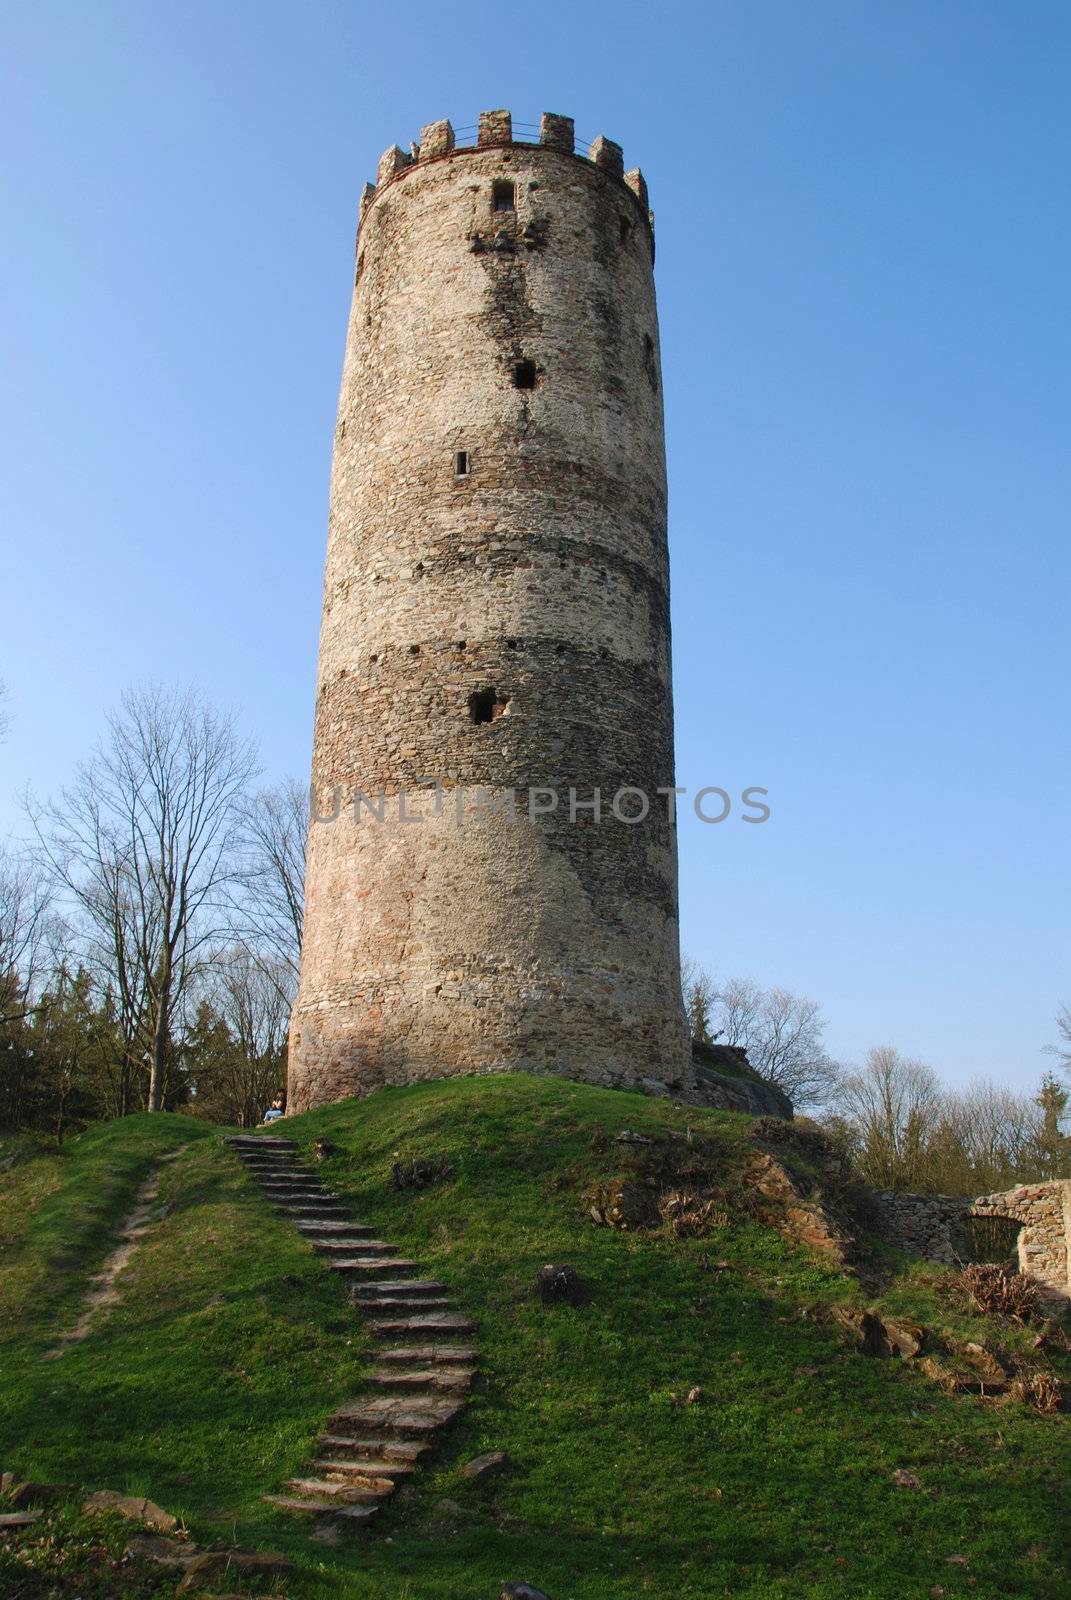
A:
[522,133]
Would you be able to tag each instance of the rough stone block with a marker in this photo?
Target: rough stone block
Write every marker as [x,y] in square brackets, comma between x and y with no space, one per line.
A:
[557,132]
[607,155]
[391,162]
[31,1493]
[436,139]
[638,184]
[210,1566]
[133,1507]
[496,127]
[156,1547]
[481,1467]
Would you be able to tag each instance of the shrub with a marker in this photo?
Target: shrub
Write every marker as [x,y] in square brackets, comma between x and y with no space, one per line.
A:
[687,1214]
[1041,1390]
[995,1291]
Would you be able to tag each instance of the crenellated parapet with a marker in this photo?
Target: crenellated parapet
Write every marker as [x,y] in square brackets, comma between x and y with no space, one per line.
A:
[496,130]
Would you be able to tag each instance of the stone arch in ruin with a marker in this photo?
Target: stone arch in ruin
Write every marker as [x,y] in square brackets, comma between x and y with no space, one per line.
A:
[1044,1212]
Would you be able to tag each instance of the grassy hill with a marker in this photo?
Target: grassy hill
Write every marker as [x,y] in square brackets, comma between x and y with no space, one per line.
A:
[205,1386]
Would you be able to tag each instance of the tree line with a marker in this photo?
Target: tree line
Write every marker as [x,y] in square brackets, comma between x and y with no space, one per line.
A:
[902,1128]
[150,927]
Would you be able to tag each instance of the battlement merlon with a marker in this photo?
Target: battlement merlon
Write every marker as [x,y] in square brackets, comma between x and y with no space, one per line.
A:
[495,131]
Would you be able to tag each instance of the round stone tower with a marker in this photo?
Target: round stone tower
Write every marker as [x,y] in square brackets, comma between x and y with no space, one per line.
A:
[492,874]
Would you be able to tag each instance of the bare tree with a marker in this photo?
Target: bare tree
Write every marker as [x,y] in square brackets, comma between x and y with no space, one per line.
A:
[240,1034]
[5,715]
[982,1138]
[782,1035]
[275,825]
[255,1001]
[1062,1049]
[144,843]
[30,934]
[890,1107]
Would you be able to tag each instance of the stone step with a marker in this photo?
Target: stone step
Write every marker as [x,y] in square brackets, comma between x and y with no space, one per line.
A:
[337,1229]
[435,1322]
[434,1380]
[392,1452]
[366,1247]
[398,1286]
[339,1241]
[372,1264]
[264,1149]
[389,1288]
[372,1443]
[448,1354]
[268,1151]
[283,1162]
[328,1228]
[286,1177]
[401,1303]
[321,1505]
[398,1414]
[288,1181]
[258,1141]
[307,1197]
[364,1470]
[305,1194]
[323,1211]
[350,1493]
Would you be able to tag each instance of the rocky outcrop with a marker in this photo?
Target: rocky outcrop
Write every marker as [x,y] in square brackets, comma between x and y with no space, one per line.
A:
[726,1081]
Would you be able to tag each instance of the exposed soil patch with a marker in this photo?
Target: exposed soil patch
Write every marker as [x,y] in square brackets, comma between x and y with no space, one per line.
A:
[102,1290]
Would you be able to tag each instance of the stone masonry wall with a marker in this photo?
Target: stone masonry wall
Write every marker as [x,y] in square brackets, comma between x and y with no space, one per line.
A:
[932,1226]
[935,1227]
[496,618]
[1044,1209]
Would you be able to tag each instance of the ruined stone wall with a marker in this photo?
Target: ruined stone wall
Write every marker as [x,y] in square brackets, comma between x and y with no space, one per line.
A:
[1044,1209]
[496,617]
[935,1227]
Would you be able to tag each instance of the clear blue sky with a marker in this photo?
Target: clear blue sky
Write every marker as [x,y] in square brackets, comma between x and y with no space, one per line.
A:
[863,276]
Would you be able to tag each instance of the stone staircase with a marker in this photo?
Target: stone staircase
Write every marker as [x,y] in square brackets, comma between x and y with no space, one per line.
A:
[423,1374]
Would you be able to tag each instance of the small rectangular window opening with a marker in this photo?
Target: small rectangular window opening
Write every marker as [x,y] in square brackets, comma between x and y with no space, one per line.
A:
[503,195]
[524,375]
[461,464]
[482,705]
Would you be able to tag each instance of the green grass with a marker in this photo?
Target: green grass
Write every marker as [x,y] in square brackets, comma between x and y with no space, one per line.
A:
[59,1213]
[206,1386]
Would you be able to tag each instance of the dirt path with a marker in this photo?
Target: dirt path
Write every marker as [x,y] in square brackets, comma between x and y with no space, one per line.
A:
[102,1290]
